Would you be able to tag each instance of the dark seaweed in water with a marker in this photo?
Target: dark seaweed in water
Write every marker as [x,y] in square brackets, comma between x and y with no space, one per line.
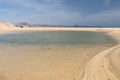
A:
[56,38]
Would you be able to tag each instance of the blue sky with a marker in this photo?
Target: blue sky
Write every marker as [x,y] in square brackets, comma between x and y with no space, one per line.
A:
[62,12]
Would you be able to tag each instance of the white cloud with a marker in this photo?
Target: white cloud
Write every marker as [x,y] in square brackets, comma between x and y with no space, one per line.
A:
[44,5]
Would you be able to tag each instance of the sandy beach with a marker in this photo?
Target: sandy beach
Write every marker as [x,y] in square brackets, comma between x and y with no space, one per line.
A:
[59,40]
[99,62]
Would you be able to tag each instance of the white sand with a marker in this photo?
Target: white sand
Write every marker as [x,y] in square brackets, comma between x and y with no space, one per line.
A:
[21,63]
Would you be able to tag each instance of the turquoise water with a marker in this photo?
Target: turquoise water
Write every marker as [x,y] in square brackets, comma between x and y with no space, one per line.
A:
[56,38]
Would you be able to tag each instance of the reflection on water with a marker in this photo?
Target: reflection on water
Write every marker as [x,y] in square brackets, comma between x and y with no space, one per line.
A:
[56,38]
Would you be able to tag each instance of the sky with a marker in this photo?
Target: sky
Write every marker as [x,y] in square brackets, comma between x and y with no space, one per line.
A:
[62,12]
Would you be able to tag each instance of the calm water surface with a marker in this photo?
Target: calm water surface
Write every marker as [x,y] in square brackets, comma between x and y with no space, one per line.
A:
[56,38]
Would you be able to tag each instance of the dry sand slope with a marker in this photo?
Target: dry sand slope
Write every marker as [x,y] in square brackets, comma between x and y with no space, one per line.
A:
[105,65]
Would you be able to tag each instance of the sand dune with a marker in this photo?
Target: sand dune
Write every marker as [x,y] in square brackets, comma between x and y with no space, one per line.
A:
[6,27]
[105,65]
[4,24]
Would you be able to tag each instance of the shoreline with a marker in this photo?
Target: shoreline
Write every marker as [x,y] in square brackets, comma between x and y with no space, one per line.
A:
[60,29]
[112,32]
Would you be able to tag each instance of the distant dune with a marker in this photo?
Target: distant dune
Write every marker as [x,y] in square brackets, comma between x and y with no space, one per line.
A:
[4,24]
[6,27]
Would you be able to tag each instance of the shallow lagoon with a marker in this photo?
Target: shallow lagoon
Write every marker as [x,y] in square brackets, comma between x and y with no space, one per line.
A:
[56,38]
